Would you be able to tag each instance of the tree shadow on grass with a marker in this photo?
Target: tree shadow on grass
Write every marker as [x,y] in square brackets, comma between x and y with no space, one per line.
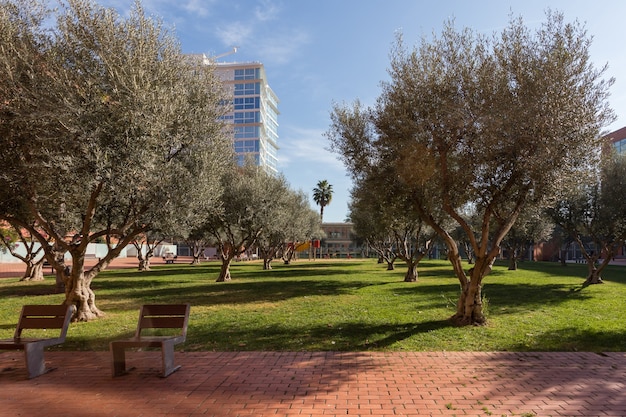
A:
[245,292]
[502,297]
[346,336]
[574,339]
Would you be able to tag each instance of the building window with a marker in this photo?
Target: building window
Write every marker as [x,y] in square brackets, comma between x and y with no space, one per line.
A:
[247,117]
[246,132]
[247,74]
[246,146]
[247,103]
[247,89]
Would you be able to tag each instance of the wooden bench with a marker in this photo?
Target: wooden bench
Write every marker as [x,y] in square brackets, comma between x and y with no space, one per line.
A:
[38,317]
[153,318]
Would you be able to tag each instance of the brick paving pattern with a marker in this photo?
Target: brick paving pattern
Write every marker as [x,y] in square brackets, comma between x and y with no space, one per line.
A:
[316,384]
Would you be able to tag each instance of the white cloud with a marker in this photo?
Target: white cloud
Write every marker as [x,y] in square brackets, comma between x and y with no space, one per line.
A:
[236,33]
[300,146]
[266,10]
[281,50]
[197,7]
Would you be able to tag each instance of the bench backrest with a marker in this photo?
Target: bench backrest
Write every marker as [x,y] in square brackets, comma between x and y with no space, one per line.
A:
[44,317]
[163,316]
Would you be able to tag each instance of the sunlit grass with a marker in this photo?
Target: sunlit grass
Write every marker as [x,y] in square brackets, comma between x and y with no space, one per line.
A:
[349,305]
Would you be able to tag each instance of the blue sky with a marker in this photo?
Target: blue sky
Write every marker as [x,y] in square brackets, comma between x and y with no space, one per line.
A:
[321,52]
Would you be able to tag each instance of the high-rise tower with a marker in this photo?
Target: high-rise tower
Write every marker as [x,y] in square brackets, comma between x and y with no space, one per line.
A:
[254,112]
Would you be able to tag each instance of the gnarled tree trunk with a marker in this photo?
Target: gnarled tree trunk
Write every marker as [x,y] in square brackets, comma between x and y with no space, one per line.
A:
[594,275]
[78,290]
[411,272]
[144,262]
[469,306]
[512,260]
[225,269]
[34,271]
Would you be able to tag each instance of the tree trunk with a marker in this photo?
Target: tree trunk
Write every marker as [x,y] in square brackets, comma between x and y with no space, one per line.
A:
[33,272]
[79,293]
[595,273]
[147,262]
[469,307]
[225,270]
[469,253]
[512,261]
[60,273]
[411,272]
[144,264]
[594,277]
[267,263]
[390,266]
[197,251]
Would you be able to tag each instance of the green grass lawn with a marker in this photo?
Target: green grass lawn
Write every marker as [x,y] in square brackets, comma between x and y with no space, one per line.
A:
[349,305]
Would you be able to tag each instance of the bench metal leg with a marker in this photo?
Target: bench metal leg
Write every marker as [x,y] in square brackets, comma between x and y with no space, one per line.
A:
[118,367]
[167,354]
[35,364]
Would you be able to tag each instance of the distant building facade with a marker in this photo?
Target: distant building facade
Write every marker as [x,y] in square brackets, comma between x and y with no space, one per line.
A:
[340,241]
[618,139]
[254,114]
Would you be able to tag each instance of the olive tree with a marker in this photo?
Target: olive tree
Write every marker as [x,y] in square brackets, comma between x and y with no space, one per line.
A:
[370,224]
[145,244]
[14,236]
[249,205]
[106,129]
[293,221]
[388,222]
[532,226]
[478,126]
[594,212]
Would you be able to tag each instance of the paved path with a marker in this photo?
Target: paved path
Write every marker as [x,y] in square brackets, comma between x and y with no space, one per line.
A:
[320,384]
[16,269]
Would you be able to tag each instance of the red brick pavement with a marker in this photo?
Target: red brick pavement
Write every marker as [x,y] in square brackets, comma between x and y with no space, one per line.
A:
[16,269]
[320,384]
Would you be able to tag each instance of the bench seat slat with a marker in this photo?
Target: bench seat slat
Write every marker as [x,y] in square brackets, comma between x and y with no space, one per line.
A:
[164,309]
[44,310]
[162,322]
[42,322]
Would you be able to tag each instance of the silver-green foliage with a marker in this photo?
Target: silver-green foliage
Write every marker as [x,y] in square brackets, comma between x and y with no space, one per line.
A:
[108,129]
[477,126]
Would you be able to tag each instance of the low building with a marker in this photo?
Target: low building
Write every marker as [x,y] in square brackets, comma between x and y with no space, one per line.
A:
[340,241]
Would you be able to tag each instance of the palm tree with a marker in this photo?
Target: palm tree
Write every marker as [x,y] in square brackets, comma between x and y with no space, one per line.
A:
[322,195]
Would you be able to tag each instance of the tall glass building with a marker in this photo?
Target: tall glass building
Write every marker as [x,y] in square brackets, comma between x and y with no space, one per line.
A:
[254,113]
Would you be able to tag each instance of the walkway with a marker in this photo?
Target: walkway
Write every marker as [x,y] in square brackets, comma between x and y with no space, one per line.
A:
[317,384]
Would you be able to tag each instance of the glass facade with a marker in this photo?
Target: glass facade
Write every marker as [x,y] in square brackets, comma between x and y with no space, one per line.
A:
[254,113]
[620,145]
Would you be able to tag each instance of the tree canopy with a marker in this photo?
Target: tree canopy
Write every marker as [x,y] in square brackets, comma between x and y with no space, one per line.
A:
[479,127]
[106,129]
[594,215]
[256,207]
